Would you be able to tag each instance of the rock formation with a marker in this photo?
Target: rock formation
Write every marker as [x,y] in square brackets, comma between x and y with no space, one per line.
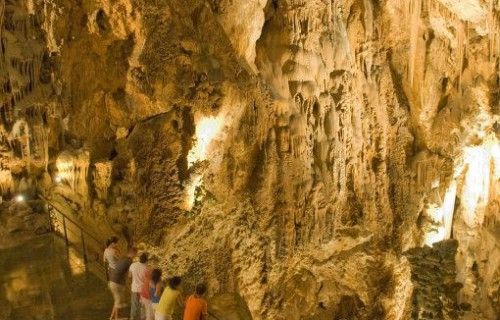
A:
[302,157]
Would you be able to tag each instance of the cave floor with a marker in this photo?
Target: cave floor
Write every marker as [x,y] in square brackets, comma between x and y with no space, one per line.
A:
[42,280]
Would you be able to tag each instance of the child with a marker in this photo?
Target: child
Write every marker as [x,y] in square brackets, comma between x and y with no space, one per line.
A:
[196,306]
[169,298]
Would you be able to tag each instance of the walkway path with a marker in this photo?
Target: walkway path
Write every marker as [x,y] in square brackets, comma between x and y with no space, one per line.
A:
[42,280]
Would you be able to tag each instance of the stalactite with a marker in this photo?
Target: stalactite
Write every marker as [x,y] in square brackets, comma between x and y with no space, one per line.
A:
[494,31]
[461,41]
[444,11]
[415,8]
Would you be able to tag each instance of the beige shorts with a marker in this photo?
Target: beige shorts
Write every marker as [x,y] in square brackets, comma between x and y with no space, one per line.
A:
[159,316]
[118,291]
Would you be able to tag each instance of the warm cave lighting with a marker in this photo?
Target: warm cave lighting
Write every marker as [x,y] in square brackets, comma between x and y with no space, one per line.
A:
[20,198]
[480,165]
[58,179]
[442,217]
[191,192]
[206,130]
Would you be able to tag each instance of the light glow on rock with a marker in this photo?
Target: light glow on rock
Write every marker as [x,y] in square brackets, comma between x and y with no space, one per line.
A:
[206,130]
[477,181]
[17,283]
[64,169]
[76,262]
[478,162]
[474,192]
[191,192]
[442,217]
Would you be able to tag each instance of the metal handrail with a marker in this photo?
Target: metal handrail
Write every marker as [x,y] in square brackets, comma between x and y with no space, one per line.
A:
[83,234]
[69,219]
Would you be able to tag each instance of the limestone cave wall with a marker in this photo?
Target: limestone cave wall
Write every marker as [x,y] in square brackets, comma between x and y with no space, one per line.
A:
[301,154]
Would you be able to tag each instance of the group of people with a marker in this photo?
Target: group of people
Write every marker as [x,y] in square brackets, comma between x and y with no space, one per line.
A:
[151,297]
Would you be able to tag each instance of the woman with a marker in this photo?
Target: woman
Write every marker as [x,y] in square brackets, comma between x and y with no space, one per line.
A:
[111,256]
[145,296]
[155,287]
[151,292]
[169,298]
[111,253]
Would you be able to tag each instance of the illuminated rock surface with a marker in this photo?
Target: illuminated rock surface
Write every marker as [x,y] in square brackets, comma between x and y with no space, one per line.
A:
[39,281]
[296,155]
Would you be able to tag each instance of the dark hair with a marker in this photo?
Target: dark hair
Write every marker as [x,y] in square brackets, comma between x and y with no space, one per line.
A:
[111,240]
[143,258]
[156,275]
[174,282]
[201,288]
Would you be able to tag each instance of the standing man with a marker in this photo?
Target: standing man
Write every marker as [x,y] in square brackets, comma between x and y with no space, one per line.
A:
[138,271]
[117,278]
[196,306]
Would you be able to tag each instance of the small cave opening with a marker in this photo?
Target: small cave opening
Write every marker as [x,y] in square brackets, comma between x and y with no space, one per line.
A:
[101,20]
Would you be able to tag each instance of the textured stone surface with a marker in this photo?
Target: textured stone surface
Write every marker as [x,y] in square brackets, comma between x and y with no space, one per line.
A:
[433,273]
[41,280]
[287,151]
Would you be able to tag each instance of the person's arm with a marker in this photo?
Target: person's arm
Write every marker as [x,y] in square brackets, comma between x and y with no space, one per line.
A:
[116,254]
[130,271]
[106,263]
[204,315]
[159,288]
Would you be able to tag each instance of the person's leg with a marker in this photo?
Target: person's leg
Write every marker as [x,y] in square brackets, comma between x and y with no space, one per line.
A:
[120,302]
[120,299]
[132,306]
[159,316]
[142,314]
[150,314]
[113,293]
[135,307]
[148,308]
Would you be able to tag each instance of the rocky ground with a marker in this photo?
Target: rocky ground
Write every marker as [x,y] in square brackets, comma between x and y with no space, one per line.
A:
[20,222]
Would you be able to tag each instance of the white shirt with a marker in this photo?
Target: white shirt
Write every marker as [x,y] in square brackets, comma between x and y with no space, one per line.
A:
[139,274]
[110,257]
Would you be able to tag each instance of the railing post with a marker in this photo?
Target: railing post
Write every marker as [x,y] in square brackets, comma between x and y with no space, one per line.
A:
[65,232]
[85,260]
[54,218]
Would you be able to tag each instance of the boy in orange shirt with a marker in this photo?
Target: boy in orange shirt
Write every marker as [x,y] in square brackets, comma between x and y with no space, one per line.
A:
[196,306]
